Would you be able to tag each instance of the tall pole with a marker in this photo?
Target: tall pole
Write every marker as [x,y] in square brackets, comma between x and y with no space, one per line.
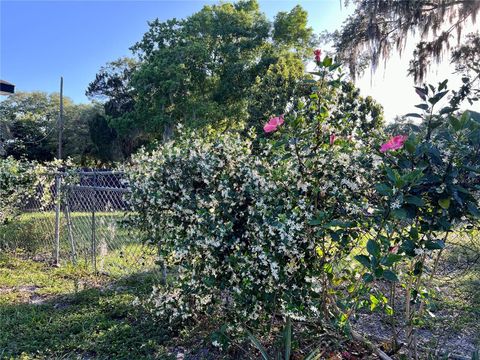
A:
[60,121]
[58,179]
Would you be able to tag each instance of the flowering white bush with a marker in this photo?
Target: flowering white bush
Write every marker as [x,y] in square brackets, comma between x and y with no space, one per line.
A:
[239,225]
[304,221]
[235,235]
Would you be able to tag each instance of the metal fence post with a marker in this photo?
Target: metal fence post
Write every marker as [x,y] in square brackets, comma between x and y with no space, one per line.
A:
[94,245]
[57,218]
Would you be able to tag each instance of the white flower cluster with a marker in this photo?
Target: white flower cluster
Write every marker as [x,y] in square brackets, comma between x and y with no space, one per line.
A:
[235,226]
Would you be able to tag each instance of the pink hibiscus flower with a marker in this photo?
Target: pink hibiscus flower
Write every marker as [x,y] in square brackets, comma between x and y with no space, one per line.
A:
[273,124]
[317,53]
[396,142]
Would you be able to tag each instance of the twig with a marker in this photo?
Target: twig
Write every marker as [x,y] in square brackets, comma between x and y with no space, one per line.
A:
[372,347]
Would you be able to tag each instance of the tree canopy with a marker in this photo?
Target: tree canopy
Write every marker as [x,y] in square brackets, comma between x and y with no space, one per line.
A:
[29,129]
[202,71]
[380,27]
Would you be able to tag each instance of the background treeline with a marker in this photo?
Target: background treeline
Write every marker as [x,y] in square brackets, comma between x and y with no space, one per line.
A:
[228,67]
[225,67]
[29,129]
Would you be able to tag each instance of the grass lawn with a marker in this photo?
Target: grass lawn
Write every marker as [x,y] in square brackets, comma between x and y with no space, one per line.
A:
[71,313]
[118,250]
[66,313]
[52,313]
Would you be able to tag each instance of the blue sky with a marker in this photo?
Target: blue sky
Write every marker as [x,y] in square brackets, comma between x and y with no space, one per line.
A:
[43,40]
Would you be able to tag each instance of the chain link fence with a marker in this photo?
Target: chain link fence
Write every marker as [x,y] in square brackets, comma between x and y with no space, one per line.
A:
[79,217]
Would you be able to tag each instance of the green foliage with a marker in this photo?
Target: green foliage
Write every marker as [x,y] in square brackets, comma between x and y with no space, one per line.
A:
[275,91]
[28,124]
[79,314]
[22,182]
[280,221]
[428,188]
[29,128]
[112,86]
[210,70]
[17,181]
[205,81]
[103,137]
[237,224]
[291,30]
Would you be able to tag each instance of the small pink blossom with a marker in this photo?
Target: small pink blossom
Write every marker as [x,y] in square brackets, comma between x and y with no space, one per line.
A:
[396,142]
[332,138]
[273,124]
[317,53]
[393,249]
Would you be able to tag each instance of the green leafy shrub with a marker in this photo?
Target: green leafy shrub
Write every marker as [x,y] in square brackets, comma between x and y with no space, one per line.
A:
[317,219]
[25,185]
[17,180]
[240,227]
[429,188]
[234,232]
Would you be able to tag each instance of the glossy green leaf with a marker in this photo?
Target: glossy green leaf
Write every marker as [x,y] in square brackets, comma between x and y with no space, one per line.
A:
[373,248]
[446,110]
[415,115]
[473,209]
[410,145]
[455,123]
[363,259]
[437,97]
[378,272]
[390,259]
[414,233]
[383,189]
[327,61]
[392,175]
[414,200]
[422,106]
[400,214]
[390,275]
[367,277]
[435,155]
[442,85]
[444,203]
[422,92]
[434,244]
